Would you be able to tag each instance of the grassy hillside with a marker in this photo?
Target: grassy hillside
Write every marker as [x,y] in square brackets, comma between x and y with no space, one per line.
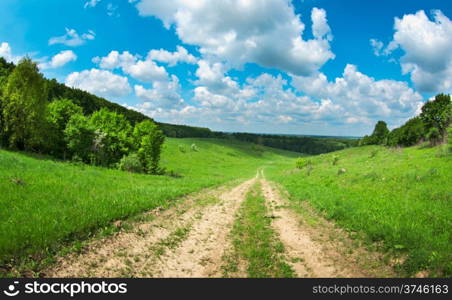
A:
[400,199]
[45,202]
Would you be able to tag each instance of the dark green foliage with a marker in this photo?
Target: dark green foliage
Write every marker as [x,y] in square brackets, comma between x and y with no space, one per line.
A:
[112,138]
[438,114]
[412,132]
[79,136]
[23,107]
[434,136]
[308,145]
[148,141]
[58,114]
[379,135]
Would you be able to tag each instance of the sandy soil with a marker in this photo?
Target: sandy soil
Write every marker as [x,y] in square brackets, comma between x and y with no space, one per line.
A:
[315,247]
[192,238]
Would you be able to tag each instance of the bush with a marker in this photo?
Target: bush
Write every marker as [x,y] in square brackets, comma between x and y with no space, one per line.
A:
[434,136]
[148,141]
[79,136]
[131,163]
[182,149]
[300,163]
[335,160]
[113,137]
[194,148]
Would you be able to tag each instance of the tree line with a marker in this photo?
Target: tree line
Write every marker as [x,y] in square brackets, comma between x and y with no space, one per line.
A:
[432,125]
[66,130]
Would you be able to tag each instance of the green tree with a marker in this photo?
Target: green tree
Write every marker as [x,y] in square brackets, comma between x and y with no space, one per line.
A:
[380,133]
[148,141]
[113,137]
[58,115]
[23,107]
[437,114]
[79,136]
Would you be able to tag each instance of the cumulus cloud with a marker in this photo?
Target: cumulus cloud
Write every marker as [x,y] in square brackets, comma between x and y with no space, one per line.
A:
[100,82]
[363,96]
[7,53]
[72,38]
[59,60]
[427,48]
[172,58]
[163,94]
[266,32]
[143,70]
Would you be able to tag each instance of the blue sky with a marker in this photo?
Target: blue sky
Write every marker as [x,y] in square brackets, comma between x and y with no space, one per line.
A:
[274,66]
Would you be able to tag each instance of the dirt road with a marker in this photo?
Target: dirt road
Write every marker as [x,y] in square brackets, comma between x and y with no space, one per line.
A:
[191,238]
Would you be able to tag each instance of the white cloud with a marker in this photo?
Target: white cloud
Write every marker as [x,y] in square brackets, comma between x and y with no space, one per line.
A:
[377,46]
[172,58]
[163,94]
[427,50]
[72,38]
[91,3]
[362,97]
[142,70]
[100,82]
[59,60]
[320,27]
[7,54]
[266,32]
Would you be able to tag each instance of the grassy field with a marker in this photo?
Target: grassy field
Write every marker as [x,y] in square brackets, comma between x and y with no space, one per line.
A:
[398,199]
[255,241]
[46,203]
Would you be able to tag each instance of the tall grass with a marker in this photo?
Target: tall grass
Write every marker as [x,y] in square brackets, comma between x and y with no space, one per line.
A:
[45,203]
[400,198]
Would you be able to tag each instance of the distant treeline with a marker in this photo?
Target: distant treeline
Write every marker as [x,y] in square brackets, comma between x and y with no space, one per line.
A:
[91,104]
[308,145]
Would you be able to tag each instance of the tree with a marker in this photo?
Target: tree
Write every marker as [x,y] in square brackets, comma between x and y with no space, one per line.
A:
[438,114]
[380,133]
[79,137]
[148,141]
[113,137]
[58,115]
[23,104]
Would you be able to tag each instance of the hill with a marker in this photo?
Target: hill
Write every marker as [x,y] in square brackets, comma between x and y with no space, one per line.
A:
[398,199]
[48,203]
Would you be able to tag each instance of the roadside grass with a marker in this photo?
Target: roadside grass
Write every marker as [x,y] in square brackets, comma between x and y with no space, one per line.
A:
[255,242]
[48,204]
[400,199]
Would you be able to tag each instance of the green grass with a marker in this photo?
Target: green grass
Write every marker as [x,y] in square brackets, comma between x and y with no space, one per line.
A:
[255,242]
[400,199]
[46,203]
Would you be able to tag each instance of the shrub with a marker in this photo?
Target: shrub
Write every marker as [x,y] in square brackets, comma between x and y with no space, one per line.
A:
[148,140]
[113,134]
[182,149]
[335,160]
[131,163]
[79,136]
[434,136]
[300,163]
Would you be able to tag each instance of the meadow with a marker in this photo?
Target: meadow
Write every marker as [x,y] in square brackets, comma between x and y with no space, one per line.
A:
[48,203]
[399,200]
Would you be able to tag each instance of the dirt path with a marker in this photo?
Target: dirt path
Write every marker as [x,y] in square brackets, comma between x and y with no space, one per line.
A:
[192,239]
[187,240]
[315,247]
